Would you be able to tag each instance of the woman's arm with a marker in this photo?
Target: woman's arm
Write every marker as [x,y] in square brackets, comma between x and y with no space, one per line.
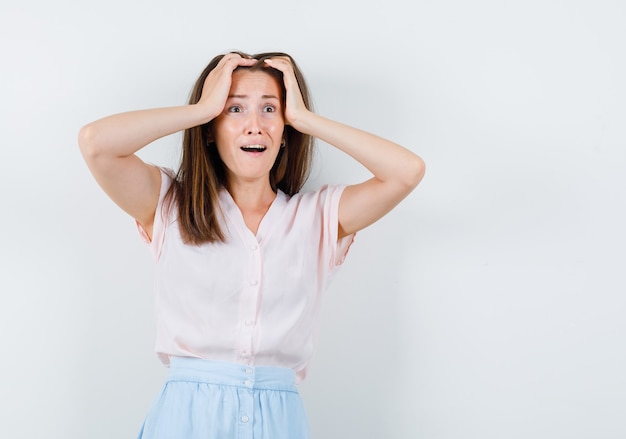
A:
[397,171]
[109,145]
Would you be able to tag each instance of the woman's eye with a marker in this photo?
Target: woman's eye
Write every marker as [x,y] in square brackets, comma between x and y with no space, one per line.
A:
[269,109]
[234,109]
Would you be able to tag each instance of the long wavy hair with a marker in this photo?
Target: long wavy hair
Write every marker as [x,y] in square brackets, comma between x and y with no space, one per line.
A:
[202,172]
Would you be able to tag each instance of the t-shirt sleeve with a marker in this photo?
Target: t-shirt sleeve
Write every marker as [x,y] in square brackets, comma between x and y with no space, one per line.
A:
[161,217]
[338,248]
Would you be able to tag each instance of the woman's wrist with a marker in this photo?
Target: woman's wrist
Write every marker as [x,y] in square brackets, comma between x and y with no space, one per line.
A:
[304,122]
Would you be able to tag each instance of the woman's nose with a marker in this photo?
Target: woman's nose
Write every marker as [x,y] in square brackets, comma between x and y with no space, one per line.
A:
[253,125]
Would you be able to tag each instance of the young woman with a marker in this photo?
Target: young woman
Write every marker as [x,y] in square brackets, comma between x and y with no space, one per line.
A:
[242,256]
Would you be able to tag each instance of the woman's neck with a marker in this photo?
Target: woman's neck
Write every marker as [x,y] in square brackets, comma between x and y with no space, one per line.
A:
[251,196]
[253,201]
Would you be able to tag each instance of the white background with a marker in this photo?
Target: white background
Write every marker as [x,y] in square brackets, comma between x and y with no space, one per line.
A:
[490,304]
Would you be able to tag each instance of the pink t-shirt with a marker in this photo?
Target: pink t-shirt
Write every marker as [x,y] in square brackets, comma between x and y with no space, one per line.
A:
[254,299]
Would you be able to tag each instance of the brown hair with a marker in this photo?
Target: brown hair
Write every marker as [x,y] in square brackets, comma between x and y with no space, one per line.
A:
[202,173]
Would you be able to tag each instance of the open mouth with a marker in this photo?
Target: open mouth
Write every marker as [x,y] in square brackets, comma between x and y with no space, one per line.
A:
[253,148]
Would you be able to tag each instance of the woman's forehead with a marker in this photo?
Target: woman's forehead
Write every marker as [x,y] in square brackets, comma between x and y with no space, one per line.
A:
[257,82]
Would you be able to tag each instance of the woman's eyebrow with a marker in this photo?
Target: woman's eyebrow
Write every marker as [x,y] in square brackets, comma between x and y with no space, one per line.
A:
[246,96]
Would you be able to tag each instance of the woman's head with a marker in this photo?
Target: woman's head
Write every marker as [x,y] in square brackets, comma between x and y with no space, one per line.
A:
[203,171]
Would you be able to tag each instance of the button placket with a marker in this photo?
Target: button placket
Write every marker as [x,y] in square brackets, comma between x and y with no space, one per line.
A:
[246,402]
[249,382]
[250,300]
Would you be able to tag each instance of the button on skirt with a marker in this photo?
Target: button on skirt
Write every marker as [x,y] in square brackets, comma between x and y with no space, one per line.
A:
[217,400]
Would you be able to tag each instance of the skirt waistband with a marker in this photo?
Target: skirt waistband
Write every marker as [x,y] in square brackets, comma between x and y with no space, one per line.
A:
[231,374]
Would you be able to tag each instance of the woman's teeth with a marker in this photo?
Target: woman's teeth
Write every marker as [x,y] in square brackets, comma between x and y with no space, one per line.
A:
[253,148]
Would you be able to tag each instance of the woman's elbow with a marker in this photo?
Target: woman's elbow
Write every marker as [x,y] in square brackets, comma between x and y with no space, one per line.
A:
[88,142]
[415,170]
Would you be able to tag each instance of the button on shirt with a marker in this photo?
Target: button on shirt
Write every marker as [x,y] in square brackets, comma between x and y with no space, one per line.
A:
[253,299]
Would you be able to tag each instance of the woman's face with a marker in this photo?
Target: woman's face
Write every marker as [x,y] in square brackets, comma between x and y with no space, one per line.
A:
[249,131]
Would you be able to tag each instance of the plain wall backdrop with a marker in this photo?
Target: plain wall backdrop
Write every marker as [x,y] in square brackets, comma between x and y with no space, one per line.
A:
[489,304]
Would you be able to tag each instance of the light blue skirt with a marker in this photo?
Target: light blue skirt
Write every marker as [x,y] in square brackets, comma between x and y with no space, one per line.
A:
[216,400]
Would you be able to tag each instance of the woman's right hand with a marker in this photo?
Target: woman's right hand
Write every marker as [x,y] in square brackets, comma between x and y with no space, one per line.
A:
[109,145]
[217,85]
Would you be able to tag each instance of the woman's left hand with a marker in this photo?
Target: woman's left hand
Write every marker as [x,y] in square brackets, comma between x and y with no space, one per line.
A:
[397,171]
[295,109]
